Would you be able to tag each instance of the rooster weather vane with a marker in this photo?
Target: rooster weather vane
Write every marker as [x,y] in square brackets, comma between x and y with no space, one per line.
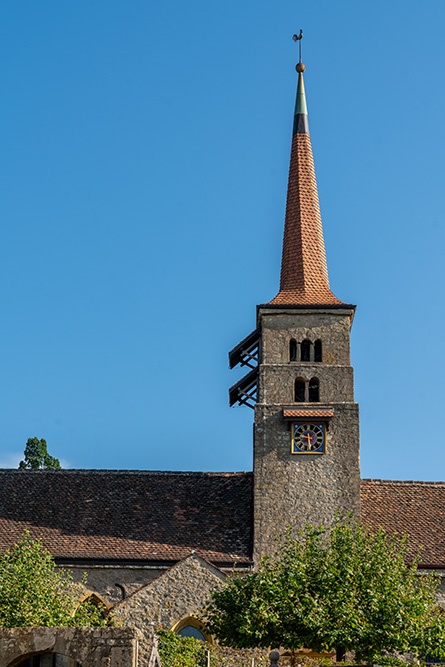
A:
[297,38]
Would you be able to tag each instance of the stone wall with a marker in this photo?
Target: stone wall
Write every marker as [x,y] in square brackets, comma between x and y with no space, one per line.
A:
[293,489]
[178,593]
[102,579]
[277,383]
[91,647]
[331,327]
[441,591]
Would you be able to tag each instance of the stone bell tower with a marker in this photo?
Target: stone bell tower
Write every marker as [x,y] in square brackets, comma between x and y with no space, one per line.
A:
[306,433]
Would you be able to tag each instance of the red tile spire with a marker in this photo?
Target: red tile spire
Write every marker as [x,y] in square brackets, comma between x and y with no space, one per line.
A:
[304,272]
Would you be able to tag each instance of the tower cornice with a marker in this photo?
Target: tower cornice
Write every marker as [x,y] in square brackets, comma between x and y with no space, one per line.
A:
[274,308]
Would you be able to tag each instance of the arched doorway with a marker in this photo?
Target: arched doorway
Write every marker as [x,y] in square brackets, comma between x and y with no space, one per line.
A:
[46,660]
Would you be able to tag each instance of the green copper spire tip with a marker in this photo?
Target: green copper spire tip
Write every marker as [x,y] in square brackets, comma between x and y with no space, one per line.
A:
[300,102]
[300,115]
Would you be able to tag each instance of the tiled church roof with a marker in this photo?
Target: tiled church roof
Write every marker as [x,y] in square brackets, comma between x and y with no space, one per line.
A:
[417,508]
[104,514]
[163,516]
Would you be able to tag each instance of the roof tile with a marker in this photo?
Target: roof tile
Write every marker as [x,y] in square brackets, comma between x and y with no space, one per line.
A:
[129,514]
[415,508]
[132,515]
[309,413]
[304,273]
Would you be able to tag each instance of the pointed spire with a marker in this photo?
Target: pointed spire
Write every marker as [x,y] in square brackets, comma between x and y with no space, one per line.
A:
[301,125]
[304,273]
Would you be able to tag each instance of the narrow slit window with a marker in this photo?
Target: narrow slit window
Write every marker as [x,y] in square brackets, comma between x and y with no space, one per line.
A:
[299,390]
[306,350]
[293,350]
[318,352]
[314,390]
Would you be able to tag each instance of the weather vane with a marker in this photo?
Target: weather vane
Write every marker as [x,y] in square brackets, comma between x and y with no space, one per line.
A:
[297,38]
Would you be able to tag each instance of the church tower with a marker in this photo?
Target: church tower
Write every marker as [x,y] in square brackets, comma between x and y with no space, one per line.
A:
[306,432]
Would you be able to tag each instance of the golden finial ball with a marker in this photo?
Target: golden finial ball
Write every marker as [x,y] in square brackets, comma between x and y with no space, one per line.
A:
[300,67]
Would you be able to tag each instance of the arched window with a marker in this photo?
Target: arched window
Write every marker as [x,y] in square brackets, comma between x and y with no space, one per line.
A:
[191,627]
[300,386]
[306,350]
[318,352]
[96,603]
[191,631]
[94,600]
[293,350]
[314,390]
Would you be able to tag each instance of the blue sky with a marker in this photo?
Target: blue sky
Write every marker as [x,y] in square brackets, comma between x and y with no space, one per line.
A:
[143,170]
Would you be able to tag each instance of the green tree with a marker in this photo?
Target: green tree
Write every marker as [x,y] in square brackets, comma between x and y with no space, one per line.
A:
[346,589]
[37,457]
[33,593]
[176,651]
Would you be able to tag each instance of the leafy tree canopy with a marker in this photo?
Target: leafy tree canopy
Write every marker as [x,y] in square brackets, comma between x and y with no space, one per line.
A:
[346,589]
[33,593]
[176,651]
[37,457]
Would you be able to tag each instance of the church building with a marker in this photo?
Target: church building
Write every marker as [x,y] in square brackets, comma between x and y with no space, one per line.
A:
[155,543]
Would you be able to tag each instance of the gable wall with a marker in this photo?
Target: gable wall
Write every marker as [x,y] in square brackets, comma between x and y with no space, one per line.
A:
[102,579]
[179,592]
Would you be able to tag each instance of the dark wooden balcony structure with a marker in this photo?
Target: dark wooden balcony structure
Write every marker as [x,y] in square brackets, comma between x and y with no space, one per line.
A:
[246,353]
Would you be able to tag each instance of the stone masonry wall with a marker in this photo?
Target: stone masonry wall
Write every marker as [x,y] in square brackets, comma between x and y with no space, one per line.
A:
[278,382]
[103,579]
[178,593]
[91,647]
[293,489]
[331,327]
[441,591]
